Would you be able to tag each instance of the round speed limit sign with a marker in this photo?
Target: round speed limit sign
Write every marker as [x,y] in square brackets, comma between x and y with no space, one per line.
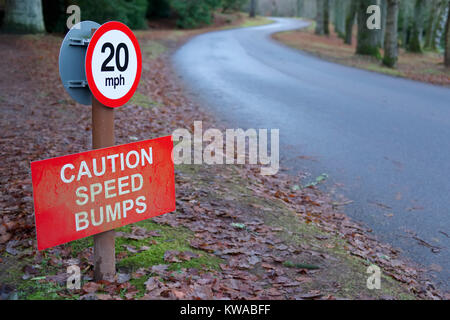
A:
[113,64]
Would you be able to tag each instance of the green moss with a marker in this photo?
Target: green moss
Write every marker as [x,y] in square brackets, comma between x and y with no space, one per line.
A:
[312,26]
[389,61]
[433,72]
[254,22]
[36,290]
[153,49]
[341,274]
[170,239]
[143,101]
[346,270]
[373,51]
[290,264]
[349,272]
[79,245]
[415,45]
[381,69]
[139,284]
[250,22]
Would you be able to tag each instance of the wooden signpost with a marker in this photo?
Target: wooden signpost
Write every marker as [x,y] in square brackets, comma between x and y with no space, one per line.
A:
[112,86]
[94,192]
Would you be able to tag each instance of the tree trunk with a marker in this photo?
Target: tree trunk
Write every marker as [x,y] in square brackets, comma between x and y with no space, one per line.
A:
[326,17]
[319,17]
[24,16]
[439,26]
[274,8]
[350,21]
[339,18]
[415,43]
[447,39]
[403,18]
[391,40]
[299,8]
[432,17]
[252,13]
[368,41]
[381,34]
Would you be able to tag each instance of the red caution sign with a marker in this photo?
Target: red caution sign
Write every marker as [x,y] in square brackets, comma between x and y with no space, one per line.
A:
[83,194]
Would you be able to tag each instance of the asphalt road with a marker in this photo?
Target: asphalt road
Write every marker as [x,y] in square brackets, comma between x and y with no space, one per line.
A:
[383,141]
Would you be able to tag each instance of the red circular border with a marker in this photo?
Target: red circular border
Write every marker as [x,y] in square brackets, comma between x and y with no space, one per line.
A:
[112,25]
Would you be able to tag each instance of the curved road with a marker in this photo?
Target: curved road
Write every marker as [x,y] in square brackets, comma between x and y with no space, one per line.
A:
[384,141]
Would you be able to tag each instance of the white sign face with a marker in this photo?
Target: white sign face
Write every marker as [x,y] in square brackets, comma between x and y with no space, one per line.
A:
[113,64]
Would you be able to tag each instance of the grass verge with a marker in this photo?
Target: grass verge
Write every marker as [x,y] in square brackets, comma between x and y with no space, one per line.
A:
[344,275]
[426,67]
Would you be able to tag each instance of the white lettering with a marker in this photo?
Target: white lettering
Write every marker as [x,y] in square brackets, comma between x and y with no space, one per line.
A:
[133,184]
[127,208]
[122,185]
[148,156]
[140,203]
[84,171]
[127,159]
[109,213]
[113,161]
[81,218]
[96,189]
[82,195]
[109,188]
[63,177]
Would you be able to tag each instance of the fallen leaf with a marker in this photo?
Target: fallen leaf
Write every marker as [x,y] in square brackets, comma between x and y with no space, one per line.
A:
[123,277]
[91,287]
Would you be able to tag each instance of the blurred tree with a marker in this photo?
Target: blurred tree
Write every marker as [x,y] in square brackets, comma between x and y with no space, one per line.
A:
[403,23]
[320,17]
[191,14]
[415,43]
[368,41]
[350,21]
[441,18]
[281,8]
[131,12]
[339,17]
[299,8]
[391,39]
[326,17]
[55,15]
[430,25]
[233,5]
[381,34]
[447,39]
[307,8]
[188,13]
[158,8]
[274,8]
[24,16]
[252,8]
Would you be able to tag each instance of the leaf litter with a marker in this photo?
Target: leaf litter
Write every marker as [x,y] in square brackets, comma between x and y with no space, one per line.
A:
[40,121]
